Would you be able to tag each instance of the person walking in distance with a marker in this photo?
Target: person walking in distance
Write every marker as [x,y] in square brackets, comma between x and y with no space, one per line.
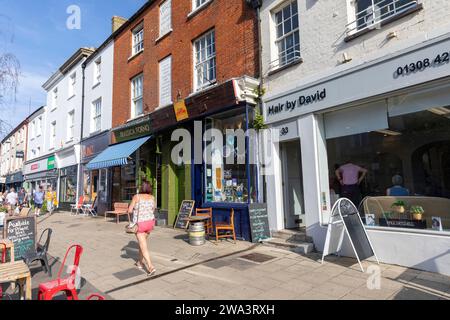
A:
[50,197]
[143,207]
[38,198]
[350,177]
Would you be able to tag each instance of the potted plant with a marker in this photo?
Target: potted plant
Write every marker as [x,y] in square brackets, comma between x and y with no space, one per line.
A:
[399,206]
[417,212]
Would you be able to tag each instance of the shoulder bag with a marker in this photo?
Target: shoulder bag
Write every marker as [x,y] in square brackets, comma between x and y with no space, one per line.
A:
[133,228]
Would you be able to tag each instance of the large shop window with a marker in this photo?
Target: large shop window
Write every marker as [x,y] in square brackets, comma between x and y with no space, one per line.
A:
[228,176]
[124,181]
[405,155]
[68,187]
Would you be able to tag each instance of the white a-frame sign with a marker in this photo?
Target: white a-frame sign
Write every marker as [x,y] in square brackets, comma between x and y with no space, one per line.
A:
[345,219]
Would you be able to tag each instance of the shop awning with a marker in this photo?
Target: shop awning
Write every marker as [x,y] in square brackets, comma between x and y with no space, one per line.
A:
[116,155]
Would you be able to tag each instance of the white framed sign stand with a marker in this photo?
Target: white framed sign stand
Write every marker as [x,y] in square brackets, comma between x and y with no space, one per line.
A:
[337,228]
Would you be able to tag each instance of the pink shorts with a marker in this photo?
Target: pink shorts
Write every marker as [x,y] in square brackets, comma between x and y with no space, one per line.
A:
[146,226]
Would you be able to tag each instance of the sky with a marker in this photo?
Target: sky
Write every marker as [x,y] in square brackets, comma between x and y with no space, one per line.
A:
[36,33]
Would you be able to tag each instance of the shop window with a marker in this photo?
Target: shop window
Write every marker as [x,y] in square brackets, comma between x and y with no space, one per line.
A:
[68,186]
[287,35]
[226,176]
[205,60]
[125,181]
[406,163]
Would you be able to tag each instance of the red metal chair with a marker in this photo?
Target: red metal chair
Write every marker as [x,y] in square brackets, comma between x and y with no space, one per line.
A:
[3,260]
[96,295]
[49,289]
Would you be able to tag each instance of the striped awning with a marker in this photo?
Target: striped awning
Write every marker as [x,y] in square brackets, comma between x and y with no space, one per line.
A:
[116,155]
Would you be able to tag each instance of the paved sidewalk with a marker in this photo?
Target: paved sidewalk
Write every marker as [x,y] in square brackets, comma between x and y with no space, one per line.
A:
[220,271]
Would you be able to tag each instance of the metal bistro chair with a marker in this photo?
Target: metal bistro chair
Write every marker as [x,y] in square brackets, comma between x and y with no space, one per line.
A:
[206,212]
[78,206]
[90,209]
[2,260]
[41,253]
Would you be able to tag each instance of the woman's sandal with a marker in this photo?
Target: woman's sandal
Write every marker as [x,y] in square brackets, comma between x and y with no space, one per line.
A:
[149,271]
[139,265]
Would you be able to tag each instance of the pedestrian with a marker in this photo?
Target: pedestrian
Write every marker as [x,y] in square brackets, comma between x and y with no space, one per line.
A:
[143,207]
[50,197]
[12,199]
[350,177]
[23,197]
[397,189]
[38,198]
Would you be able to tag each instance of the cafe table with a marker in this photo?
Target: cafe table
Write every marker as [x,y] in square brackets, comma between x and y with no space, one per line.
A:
[17,271]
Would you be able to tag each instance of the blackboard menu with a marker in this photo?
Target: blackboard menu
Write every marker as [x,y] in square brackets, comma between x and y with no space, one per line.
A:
[22,232]
[355,229]
[259,222]
[182,221]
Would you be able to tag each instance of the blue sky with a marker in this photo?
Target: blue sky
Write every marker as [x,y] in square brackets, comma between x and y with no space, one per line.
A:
[36,32]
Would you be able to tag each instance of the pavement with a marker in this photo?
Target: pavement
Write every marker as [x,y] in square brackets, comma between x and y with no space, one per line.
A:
[223,271]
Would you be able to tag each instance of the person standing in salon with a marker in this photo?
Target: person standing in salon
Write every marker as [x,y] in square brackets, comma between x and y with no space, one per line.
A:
[350,177]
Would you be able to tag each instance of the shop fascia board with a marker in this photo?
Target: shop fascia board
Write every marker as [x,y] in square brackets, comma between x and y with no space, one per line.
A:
[334,78]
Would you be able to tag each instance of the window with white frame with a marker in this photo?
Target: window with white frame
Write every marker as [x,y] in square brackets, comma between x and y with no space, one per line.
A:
[165,17]
[138,39]
[55,98]
[165,81]
[39,126]
[32,129]
[33,153]
[287,34]
[97,71]
[205,60]
[52,134]
[371,12]
[38,151]
[70,125]
[96,124]
[137,95]
[72,83]
[198,3]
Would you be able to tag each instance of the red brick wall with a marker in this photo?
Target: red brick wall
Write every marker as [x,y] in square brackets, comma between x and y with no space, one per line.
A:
[237,47]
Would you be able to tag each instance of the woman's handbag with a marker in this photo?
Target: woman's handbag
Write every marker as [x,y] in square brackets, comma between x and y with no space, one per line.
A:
[133,227]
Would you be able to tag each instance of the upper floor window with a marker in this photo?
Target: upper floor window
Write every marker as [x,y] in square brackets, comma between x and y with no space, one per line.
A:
[165,81]
[371,12]
[165,17]
[205,60]
[96,115]
[52,134]
[199,3]
[97,71]
[137,96]
[72,83]
[32,130]
[39,126]
[55,98]
[70,125]
[138,39]
[288,34]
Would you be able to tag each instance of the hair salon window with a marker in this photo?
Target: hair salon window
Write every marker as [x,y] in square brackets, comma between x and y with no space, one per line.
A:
[407,158]
[226,159]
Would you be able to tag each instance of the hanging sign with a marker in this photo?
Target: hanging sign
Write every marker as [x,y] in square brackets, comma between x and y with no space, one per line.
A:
[180,109]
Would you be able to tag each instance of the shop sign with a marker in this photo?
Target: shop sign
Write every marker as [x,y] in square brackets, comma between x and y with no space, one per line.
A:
[34,166]
[291,105]
[134,131]
[180,109]
[51,163]
[20,154]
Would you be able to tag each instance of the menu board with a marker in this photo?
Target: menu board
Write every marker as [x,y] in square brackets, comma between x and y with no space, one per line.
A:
[259,222]
[182,221]
[22,232]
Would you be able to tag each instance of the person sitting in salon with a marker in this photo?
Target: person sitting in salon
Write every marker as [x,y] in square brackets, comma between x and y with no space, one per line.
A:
[397,189]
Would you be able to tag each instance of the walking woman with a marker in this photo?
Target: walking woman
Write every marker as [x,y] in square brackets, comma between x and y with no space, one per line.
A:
[143,207]
[50,197]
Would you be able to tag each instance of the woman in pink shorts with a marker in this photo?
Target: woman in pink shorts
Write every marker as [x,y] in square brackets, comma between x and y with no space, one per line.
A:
[143,207]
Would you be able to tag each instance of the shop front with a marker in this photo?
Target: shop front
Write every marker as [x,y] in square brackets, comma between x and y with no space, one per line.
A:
[41,172]
[68,164]
[14,180]
[95,182]
[378,134]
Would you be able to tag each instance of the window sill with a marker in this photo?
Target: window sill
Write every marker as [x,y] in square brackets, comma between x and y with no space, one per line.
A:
[163,36]
[93,133]
[286,66]
[69,141]
[71,97]
[135,55]
[194,12]
[51,110]
[164,106]
[204,89]
[360,33]
[136,118]
[96,85]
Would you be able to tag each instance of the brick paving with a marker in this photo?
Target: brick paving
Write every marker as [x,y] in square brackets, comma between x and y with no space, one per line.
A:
[218,271]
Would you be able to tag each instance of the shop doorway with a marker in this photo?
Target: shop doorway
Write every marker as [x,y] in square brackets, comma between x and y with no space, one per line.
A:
[294,212]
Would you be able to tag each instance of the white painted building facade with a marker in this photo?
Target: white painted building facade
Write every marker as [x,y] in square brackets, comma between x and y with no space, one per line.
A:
[368,85]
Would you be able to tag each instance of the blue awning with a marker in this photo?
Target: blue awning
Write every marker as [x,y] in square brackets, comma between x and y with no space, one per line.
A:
[116,155]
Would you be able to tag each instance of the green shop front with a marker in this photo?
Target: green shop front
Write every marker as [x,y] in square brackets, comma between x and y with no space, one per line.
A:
[41,172]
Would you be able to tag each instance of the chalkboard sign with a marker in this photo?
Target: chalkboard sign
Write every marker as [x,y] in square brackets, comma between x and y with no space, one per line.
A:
[259,222]
[182,221]
[355,229]
[22,232]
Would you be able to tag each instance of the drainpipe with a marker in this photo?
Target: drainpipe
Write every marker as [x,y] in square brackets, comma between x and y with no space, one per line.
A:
[80,172]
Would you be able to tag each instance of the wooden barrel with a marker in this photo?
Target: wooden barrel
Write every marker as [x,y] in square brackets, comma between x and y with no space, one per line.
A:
[197,233]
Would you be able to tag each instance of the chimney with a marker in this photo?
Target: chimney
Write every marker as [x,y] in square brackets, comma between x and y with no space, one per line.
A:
[117,22]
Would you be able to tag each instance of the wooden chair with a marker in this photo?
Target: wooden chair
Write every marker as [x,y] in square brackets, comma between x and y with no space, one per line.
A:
[120,209]
[224,226]
[206,212]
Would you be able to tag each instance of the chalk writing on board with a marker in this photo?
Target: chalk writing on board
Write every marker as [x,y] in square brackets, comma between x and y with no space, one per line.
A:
[184,214]
[22,232]
[259,222]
